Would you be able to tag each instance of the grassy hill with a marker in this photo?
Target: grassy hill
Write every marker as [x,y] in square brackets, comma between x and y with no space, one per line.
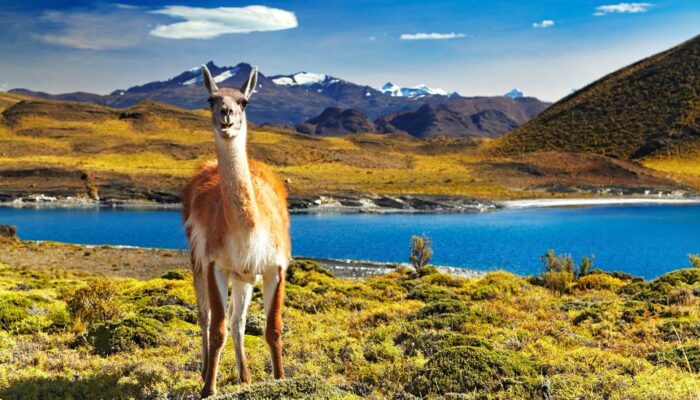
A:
[146,152]
[650,109]
[71,333]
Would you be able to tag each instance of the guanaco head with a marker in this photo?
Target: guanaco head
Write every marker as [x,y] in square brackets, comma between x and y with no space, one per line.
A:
[228,104]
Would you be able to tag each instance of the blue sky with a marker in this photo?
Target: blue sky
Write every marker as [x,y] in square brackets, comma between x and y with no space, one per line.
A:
[544,48]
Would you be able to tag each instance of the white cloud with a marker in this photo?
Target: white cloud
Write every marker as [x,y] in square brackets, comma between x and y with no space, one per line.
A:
[372,38]
[546,23]
[432,36]
[622,8]
[126,6]
[208,23]
[92,30]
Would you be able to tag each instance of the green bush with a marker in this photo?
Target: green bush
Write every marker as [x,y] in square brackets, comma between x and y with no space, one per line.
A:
[170,312]
[301,272]
[685,358]
[306,388]
[559,282]
[255,325]
[466,369]
[420,253]
[496,285]
[431,343]
[96,302]
[447,306]
[694,260]
[176,275]
[115,336]
[659,289]
[599,281]
[429,293]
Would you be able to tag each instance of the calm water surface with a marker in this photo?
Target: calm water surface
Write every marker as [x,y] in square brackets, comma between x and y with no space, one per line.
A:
[646,240]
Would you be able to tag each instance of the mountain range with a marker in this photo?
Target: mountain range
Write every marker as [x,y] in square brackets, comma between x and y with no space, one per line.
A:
[296,98]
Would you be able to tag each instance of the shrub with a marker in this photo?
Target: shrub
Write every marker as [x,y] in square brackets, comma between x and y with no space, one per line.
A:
[431,343]
[498,284]
[23,314]
[305,388]
[96,302]
[686,358]
[421,252]
[115,336]
[586,315]
[447,306]
[176,275]
[599,281]
[466,369]
[559,282]
[170,312]
[429,293]
[694,260]
[681,296]
[659,289]
[255,325]
[301,272]
[675,330]
[561,271]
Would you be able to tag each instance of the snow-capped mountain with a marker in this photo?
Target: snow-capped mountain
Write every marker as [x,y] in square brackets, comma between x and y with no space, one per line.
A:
[411,92]
[285,99]
[303,79]
[514,94]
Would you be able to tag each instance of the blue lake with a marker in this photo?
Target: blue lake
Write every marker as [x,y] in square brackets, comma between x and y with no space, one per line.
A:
[645,240]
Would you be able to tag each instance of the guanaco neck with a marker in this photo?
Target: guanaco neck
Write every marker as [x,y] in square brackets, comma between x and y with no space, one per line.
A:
[236,181]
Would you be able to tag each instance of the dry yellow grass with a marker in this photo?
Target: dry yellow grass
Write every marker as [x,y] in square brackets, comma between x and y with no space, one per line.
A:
[165,142]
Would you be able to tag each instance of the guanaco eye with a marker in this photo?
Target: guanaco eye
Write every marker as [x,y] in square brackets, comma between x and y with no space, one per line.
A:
[244,103]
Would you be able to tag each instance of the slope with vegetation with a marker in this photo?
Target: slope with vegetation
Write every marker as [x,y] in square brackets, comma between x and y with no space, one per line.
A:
[146,152]
[405,335]
[648,109]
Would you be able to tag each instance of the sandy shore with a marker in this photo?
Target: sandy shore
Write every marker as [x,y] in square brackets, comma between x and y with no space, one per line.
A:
[148,263]
[544,203]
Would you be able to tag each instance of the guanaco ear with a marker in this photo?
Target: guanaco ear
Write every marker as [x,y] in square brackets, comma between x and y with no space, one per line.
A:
[250,84]
[208,81]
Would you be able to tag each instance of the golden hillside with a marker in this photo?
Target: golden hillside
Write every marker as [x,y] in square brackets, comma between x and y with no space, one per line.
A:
[146,152]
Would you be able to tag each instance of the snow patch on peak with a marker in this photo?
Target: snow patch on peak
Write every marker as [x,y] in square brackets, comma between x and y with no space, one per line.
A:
[514,94]
[225,75]
[218,78]
[411,92]
[303,79]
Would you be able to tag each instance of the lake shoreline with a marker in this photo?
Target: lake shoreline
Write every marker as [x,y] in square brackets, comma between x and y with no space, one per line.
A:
[147,263]
[384,204]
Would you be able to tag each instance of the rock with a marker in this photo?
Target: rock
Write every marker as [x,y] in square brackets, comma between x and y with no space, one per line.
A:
[8,231]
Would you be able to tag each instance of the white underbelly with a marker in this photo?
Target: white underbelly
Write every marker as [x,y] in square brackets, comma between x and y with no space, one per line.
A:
[246,254]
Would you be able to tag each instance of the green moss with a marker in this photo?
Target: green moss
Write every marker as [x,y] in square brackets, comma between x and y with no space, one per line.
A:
[125,334]
[452,314]
[429,293]
[177,275]
[497,285]
[685,358]
[97,301]
[255,325]
[301,272]
[170,312]
[307,388]
[430,344]
[465,369]
[659,289]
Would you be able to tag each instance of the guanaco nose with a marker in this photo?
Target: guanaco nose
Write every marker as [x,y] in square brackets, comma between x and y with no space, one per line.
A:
[226,116]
